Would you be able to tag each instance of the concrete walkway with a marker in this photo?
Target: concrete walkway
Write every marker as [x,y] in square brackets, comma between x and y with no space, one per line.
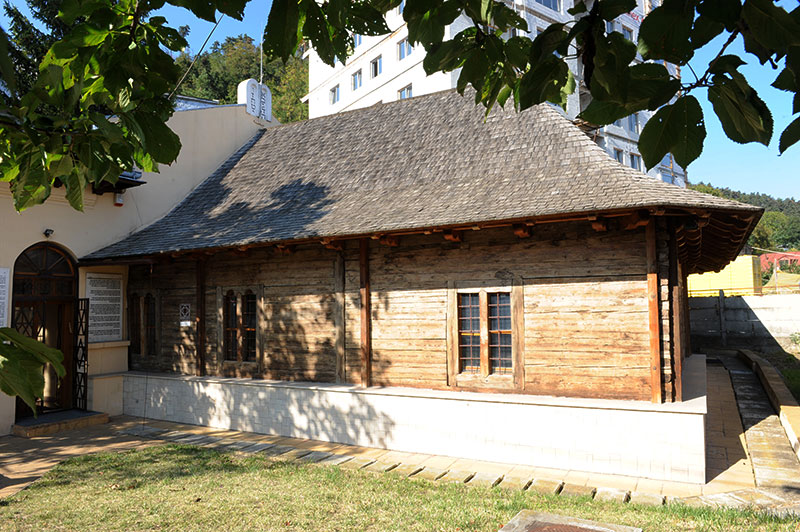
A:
[731,479]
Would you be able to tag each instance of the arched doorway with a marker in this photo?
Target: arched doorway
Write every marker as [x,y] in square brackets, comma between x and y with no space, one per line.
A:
[45,308]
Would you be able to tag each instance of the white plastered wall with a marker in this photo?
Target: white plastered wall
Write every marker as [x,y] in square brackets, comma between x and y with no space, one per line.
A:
[209,136]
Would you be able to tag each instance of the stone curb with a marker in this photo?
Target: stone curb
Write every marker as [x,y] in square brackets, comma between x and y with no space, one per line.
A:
[779,395]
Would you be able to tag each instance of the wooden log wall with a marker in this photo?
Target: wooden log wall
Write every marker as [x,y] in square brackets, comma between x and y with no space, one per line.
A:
[585,307]
[579,303]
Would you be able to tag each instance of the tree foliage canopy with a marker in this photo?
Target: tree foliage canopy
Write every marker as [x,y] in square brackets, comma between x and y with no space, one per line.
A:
[217,73]
[101,97]
[778,229]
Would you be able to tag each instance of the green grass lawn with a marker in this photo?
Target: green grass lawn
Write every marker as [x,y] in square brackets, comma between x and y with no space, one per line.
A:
[188,488]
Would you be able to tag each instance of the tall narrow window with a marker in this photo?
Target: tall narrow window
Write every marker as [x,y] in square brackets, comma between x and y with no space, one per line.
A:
[500,333]
[150,324]
[619,155]
[636,161]
[230,320]
[376,66]
[356,40]
[249,327]
[356,79]
[610,26]
[333,95]
[633,123]
[404,49]
[469,333]
[135,324]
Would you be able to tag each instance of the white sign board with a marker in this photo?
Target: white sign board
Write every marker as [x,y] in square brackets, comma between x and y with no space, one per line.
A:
[104,291]
[256,97]
[4,291]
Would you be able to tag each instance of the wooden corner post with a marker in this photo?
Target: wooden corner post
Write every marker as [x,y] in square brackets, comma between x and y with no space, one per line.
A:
[200,270]
[366,315]
[653,311]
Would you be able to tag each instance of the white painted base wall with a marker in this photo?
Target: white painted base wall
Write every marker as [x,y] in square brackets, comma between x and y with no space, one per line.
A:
[664,442]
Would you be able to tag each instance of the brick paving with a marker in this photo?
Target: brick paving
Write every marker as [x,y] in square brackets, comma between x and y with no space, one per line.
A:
[730,477]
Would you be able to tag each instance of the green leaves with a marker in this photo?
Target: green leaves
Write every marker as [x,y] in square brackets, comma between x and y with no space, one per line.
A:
[666,33]
[743,114]
[281,35]
[677,128]
[21,362]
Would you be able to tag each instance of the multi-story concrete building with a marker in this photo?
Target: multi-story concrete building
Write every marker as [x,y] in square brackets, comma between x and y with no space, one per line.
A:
[387,68]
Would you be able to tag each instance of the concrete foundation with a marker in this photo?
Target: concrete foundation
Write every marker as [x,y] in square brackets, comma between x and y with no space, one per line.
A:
[658,441]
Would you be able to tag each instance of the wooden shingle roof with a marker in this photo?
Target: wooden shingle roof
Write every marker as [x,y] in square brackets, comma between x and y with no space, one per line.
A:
[431,161]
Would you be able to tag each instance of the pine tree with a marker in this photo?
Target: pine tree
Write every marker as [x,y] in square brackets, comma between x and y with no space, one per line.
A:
[29,44]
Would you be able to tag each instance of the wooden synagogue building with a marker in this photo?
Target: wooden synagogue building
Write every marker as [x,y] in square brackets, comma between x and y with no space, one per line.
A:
[414,277]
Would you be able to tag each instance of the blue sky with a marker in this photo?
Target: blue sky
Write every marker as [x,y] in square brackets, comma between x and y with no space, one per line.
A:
[749,168]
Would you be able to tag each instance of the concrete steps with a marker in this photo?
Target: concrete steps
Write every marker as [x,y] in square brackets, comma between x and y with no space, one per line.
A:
[54,422]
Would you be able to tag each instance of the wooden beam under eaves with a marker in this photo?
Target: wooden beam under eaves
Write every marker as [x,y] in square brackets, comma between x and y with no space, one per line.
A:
[454,235]
[522,230]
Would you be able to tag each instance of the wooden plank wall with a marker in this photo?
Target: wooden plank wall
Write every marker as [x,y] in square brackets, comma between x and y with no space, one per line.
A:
[585,306]
[585,309]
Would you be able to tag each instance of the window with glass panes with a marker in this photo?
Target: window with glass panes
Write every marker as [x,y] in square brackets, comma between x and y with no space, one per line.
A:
[376,66]
[636,161]
[404,93]
[469,333]
[357,79]
[495,321]
[404,49]
[627,33]
[555,5]
[356,40]
[230,326]
[249,327]
[500,333]
[333,95]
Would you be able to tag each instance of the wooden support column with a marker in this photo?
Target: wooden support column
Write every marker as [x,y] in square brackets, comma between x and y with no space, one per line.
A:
[683,331]
[676,323]
[653,308]
[339,320]
[366,315]
[200,270]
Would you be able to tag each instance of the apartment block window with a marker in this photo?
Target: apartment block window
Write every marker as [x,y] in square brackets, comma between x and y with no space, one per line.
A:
[404,93]
[356,40]
[633,123]
[555,5]
[619,155]
[376,66]
[627,33]
[610,27]
[230,327]
[401,7]
[404,49]
[636,162]
[357,79]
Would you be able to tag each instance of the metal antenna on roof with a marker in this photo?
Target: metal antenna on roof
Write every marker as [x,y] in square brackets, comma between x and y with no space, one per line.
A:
[261,53]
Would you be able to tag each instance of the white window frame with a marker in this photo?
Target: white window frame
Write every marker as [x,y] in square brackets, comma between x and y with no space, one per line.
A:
[356,80]
[334,95]
[405,93]
[376,67]
[635,157]
[404,49]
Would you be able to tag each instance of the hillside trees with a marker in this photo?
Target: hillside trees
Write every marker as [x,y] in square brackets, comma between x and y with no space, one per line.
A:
[217,72]
[116,61]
